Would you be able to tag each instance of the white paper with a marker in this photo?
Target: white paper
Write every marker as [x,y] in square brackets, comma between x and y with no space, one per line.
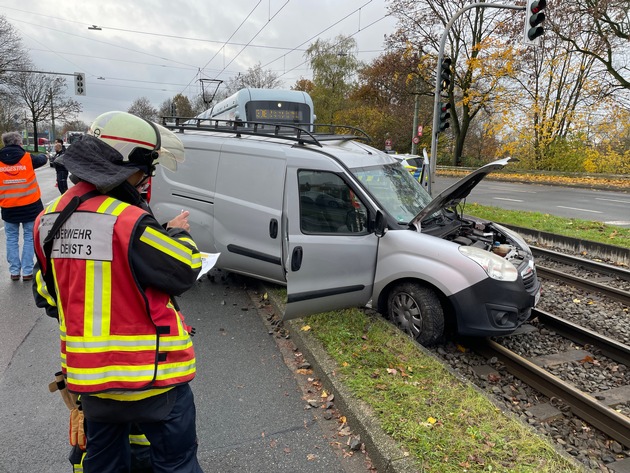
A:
[208,260]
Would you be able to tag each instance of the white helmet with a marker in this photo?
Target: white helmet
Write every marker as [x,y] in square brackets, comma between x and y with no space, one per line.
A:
[139,141]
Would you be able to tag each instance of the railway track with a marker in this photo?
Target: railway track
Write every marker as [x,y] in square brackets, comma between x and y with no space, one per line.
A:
[609,280]
[534,373]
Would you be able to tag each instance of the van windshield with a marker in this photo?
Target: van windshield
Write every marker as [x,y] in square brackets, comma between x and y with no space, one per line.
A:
[395,189]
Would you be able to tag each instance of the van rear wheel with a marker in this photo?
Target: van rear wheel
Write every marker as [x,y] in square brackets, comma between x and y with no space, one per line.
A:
[416,310]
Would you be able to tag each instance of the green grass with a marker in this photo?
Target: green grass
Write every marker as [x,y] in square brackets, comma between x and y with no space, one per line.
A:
[571,227]
[445,425]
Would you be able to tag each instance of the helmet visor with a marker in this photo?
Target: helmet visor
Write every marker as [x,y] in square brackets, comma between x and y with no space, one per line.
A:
[171,150]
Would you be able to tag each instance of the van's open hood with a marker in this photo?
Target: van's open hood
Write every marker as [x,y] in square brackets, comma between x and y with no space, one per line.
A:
[460,190]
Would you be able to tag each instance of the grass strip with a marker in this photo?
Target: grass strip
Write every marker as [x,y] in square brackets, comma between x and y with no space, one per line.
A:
[444,424]
[572,227]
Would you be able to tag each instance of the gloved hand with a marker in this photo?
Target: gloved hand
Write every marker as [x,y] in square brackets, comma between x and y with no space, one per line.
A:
[77,433]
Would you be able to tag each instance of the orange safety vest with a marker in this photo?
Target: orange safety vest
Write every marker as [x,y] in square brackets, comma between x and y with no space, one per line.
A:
[114,334]
[18,184]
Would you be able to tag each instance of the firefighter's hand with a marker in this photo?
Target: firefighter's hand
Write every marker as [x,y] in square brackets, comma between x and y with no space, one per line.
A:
[77,433]
[181,221]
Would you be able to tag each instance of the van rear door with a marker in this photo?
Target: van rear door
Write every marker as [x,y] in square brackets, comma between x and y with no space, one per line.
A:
[331,255]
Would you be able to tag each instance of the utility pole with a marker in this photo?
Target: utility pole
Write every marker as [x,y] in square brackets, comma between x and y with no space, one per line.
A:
[52,118]
[415,124]
[438,77]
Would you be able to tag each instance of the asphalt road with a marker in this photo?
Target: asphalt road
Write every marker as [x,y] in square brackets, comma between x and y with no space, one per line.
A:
[252,413]
[612,207]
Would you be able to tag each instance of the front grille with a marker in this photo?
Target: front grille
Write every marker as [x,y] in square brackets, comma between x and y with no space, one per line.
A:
[530,280]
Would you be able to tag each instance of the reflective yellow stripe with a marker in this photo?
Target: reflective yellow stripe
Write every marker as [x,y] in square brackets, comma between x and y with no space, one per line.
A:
[112,206]
[128,373]
[171,247]
[122,343]
[42,289]
[97,308]
[139,439]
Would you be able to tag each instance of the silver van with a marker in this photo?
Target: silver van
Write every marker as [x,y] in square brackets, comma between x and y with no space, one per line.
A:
[342,224]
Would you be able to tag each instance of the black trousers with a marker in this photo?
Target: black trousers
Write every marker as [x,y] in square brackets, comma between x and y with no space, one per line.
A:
[173,438]
[62,179]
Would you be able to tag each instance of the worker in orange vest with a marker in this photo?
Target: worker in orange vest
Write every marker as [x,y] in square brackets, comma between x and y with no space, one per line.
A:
[20,201]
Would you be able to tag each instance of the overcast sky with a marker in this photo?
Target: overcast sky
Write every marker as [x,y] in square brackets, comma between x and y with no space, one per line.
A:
[158,48]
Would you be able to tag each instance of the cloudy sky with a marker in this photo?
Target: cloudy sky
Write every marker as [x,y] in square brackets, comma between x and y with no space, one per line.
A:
[158,48]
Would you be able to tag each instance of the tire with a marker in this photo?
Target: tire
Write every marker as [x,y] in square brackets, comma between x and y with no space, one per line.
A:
[417,311]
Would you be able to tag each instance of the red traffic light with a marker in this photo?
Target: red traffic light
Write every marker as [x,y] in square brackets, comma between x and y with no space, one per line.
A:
[535,16]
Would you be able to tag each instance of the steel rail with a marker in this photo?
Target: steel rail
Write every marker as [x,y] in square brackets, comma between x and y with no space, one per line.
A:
[612,292]
[595,266]
[613,349]
[586,407]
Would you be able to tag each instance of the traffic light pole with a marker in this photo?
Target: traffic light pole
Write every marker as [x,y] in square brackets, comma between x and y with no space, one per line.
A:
[436,102]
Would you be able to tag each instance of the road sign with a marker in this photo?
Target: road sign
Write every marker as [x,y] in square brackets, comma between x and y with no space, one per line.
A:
[416,139]
[419,130]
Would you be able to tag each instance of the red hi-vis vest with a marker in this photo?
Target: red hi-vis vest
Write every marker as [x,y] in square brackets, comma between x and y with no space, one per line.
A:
[114,335]
[18,184]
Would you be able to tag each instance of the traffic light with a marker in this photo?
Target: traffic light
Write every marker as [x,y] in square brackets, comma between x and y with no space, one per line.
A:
[445,73]
[79,83]
[445,115]
[534,16]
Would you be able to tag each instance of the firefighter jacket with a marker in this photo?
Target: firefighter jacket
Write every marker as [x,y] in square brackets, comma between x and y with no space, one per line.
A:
[115,269]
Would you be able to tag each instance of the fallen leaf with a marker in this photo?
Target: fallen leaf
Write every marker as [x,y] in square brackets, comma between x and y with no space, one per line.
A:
[392,371]
[310,457]
[265,296]
[305,328]
[431,420]
[345,363]
[577,301]
[461,348]
[343,419]
[324,393]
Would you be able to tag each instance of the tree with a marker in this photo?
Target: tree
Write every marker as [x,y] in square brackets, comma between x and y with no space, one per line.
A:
[385,95]
[599,29]
[43,95]
[478,44]
[143,108]
[75,125]
[304,85]
[12,54]
[334,65]
[255,77]
[182,106]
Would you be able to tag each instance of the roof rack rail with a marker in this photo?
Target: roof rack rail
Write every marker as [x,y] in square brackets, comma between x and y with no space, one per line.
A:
[285,131]
[333,132]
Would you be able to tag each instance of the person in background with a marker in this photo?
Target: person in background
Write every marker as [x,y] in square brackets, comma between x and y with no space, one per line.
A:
[57,163]
[108,272]
[20,201]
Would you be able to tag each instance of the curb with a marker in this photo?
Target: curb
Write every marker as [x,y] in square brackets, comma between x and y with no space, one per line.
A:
[386,455]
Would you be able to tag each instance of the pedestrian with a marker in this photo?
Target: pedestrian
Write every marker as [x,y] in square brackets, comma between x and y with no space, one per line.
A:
[108,271]
[57,162]
[20,201]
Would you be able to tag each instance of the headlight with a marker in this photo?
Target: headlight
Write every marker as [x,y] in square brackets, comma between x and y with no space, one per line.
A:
[494,266]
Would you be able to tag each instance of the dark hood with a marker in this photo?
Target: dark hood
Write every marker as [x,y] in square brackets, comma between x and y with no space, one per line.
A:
[11,154]
[460,190]
[92,160]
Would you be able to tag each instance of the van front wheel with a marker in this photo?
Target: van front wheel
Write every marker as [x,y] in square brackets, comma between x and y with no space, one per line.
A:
[416,310]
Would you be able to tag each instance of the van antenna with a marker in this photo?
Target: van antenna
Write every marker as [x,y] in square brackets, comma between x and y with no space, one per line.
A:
[209,90]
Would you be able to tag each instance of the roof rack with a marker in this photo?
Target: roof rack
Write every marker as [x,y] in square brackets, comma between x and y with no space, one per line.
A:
[285,131]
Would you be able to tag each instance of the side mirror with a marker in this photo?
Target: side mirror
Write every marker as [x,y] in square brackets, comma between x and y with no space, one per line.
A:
[380,226]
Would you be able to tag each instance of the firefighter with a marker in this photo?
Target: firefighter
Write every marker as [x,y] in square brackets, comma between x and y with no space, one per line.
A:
[108,271]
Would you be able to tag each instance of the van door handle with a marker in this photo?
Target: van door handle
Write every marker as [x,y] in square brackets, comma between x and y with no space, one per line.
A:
[296,259]
[273,228]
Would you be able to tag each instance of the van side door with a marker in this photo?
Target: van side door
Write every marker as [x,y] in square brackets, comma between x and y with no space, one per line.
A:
[248,209]
[331,254]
